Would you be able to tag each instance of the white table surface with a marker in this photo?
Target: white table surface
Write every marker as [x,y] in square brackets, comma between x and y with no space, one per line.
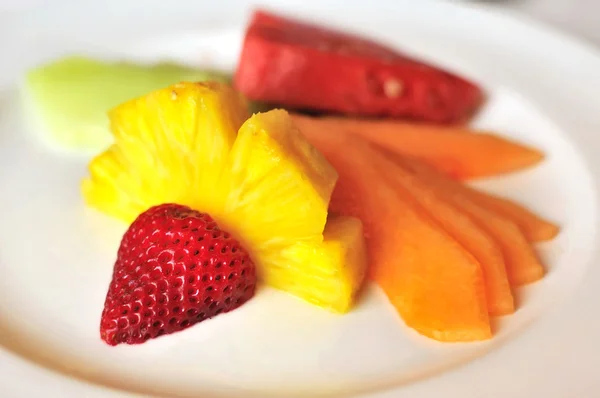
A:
[578,17]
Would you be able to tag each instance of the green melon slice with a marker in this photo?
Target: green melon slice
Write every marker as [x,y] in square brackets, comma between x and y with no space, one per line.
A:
[69,98]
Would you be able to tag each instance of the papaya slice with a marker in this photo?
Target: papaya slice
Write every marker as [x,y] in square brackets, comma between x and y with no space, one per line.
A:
[535,228]
[451,216]
[522,263]
[448,149]
[434,283]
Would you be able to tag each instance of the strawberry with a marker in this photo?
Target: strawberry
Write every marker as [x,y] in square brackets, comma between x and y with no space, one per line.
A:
[174,268]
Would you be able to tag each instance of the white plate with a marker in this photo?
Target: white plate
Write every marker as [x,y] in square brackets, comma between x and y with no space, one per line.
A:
[56,256]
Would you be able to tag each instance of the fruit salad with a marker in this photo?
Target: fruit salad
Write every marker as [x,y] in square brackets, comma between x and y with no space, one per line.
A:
[221,197]
[258,177]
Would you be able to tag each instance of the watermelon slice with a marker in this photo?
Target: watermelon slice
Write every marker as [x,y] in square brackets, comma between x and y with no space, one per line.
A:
[303,66]
[69,98]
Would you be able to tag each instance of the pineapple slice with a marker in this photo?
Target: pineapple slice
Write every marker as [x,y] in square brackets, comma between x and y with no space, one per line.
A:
[265,184]
[328,274]
[170,146]
[277,180]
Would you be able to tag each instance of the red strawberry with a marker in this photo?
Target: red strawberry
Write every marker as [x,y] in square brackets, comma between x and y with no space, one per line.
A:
[174,268]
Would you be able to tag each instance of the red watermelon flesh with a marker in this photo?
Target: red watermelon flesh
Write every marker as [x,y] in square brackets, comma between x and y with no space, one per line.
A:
[299,65]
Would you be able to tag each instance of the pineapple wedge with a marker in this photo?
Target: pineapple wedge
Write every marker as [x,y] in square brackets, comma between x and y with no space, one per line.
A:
[274,178]
[259,178]
[163,151]
[328,274]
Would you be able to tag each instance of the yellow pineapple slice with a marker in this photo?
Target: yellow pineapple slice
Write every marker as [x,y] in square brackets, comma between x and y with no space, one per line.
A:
[258,178]
[170,146]
[274,178]
[328,274]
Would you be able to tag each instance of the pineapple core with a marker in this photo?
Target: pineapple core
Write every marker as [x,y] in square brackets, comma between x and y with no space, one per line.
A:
[193,144]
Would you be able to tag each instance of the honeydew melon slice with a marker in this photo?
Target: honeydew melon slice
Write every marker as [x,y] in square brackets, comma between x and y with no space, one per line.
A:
[68,99]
